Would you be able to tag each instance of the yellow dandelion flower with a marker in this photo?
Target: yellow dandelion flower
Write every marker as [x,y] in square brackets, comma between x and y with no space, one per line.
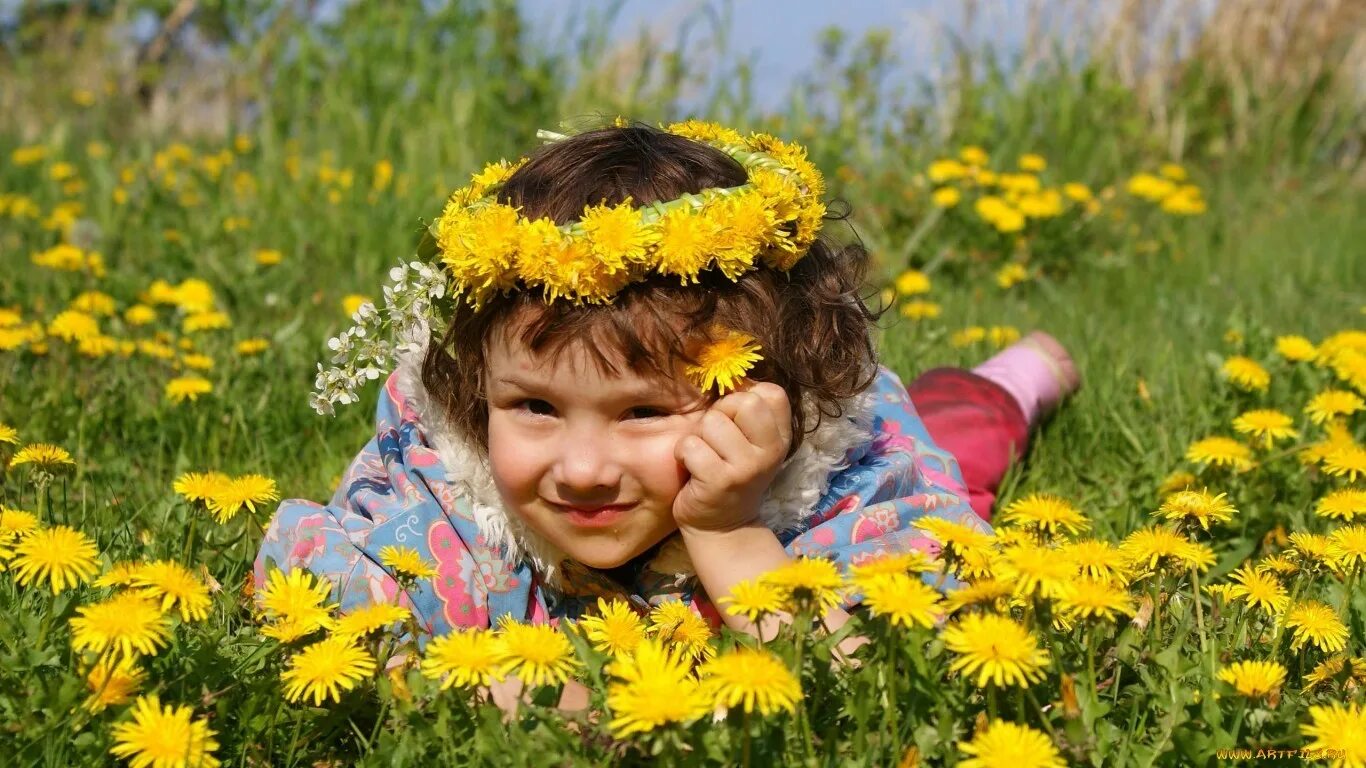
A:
[675,623]
[989,593]
[1296,349]
[752,679]
[298,626]
[119,575]
[1265,424]
[139,314]
[352,302]
[651,688]
[325,669]
[200,486]
[904,600]
[1347,461]
[1221,452]
[1178,480]
[164,737]
[536,653]
[112,682]
[1311,546]
[1011,275]
[1344,504]
[1154,547]
[617,232]
[62,556]
[1337,436]
[127,623]
[1196,557]
[1034,570]
[1281,565]
[809,582]
[753,599]
[176,586]
[1008,745]
[1254,679]
[298,594]
[1032,163]
[615,629]
[1337,669]
[1246,374]
[267,257]
[252,346]
[1347,545]
[686,242]
[73,325]
[912,282]
[16,523]
[1332,404]
[205,321]
[968,336]
[921,310]
[371,618]
[406,562]
[941,171]
[956,538]
[1092,598]
[1097,559]
[1261,590]
[243,491]
[973,155]
[946,197]
[1046,513]
[183,388]
[1197,507]
[197,362]
[467,658]
[1317,623]
[910,561]
[724,361]
[1339,731]
[44,456]
[9,434]
[996,650]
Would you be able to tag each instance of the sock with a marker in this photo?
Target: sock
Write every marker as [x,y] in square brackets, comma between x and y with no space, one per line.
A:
[1029,374]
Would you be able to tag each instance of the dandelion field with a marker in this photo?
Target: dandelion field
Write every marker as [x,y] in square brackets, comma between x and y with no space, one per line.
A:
[1177,575]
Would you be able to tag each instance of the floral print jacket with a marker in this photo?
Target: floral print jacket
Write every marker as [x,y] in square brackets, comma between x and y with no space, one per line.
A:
[850,493]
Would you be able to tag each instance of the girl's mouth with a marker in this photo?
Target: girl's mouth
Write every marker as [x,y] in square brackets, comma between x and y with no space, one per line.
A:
[600,516]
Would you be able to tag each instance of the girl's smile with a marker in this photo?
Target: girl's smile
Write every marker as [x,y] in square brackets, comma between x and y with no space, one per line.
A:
[587,459]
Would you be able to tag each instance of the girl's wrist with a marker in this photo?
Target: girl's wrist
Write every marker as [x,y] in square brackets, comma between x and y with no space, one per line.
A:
[723,559]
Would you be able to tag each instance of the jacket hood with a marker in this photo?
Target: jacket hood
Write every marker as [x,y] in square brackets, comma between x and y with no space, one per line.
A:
[791,499]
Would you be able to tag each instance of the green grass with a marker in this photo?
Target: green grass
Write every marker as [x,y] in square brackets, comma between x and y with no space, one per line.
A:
[1278,252]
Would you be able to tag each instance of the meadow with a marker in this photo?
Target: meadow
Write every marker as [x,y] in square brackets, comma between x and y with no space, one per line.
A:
[1176,578]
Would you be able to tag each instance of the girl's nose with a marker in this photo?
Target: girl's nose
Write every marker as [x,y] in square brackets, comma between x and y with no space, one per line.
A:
[587,463]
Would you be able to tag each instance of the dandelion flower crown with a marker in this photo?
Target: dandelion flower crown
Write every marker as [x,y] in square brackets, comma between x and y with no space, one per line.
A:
[480,247]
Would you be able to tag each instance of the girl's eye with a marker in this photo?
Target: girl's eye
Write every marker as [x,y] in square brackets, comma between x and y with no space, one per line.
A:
[640,412]
[528,403]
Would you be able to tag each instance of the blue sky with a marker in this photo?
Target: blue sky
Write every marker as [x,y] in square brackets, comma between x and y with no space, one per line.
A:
[781,36]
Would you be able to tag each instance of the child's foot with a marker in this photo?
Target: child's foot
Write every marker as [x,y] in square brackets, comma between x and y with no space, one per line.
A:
[1069,380]
[1036,371]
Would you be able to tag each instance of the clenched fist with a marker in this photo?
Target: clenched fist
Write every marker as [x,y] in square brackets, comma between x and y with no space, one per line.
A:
[732,457]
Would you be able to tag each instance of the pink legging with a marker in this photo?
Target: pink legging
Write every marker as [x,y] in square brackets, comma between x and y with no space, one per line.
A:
[978,420]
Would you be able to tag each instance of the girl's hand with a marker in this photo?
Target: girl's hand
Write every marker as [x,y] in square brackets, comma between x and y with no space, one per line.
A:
[732,458]
[509,694]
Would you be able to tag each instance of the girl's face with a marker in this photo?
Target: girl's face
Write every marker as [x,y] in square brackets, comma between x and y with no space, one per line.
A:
[569,437]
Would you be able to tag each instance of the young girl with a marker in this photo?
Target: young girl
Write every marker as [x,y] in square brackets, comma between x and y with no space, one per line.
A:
[558,445]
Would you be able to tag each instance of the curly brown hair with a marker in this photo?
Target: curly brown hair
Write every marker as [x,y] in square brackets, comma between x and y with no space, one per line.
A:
[814,328]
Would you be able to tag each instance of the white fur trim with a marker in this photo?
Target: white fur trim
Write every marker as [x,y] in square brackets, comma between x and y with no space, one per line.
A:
[792,497]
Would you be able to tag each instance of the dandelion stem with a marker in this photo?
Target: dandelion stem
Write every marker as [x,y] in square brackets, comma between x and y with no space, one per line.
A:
[745,739]
[1199,610]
